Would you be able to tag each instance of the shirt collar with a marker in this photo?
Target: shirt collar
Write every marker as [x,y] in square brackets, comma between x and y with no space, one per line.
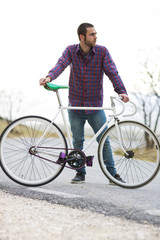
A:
[79,49]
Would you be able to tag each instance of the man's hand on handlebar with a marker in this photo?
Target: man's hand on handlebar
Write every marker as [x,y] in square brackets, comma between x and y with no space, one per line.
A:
[125,97]
[43,81]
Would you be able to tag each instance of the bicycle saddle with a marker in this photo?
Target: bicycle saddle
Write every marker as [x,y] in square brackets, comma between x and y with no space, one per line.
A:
[53,87]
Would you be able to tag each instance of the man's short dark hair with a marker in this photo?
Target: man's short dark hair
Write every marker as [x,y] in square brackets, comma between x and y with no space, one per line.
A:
[82,29]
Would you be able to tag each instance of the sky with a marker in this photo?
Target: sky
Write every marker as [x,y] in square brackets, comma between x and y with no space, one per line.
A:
[34,34]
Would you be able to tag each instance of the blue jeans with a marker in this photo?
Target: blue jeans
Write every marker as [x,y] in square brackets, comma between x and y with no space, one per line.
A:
[96,120]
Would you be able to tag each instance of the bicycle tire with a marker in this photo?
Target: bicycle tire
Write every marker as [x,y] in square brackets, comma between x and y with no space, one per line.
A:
[142,164]
[16,159]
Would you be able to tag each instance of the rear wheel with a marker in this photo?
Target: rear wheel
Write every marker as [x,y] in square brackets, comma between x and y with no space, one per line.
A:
[22,161]
[140,164]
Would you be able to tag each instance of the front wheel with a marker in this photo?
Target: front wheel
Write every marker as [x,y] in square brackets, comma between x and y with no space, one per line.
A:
[23,160]
[140,163]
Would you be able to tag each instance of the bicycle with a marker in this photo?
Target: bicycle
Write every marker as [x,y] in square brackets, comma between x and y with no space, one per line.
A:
[34,150]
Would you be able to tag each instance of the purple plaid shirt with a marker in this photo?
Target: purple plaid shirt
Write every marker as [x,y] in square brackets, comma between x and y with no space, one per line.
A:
[86,75]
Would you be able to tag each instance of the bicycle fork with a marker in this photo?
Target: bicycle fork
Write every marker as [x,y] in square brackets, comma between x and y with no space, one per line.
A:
[116,121]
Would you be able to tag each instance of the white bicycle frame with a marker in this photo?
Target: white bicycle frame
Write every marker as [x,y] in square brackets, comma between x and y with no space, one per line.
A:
[112,116]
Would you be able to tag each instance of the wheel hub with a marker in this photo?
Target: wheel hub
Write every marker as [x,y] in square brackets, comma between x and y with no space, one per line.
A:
[130,154]
[32,150]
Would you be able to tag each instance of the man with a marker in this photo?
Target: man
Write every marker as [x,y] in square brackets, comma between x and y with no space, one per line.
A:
[88,63]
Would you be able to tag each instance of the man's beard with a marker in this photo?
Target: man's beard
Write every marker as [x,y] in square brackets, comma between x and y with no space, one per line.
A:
[89,44]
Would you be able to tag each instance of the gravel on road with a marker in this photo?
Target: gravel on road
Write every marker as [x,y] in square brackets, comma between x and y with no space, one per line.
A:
[29,219]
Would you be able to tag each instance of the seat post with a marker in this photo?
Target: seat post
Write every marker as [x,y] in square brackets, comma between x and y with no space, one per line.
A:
[59,98]
[64,119]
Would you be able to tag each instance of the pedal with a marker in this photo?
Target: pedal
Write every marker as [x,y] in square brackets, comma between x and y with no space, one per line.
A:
[89,161]
[62,158]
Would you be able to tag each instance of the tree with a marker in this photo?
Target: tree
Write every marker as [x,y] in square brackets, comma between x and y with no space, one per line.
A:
[149,98]
[150,107]
[10,104]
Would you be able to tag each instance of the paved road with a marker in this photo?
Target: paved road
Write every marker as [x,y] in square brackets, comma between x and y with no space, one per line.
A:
[141,205]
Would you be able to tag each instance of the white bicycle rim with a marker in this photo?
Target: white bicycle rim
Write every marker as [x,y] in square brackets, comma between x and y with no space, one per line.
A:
[17,161]
[142,164]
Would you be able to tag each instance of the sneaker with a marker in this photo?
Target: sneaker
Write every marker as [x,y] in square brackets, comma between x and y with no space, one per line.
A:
[79,178]
[118,178]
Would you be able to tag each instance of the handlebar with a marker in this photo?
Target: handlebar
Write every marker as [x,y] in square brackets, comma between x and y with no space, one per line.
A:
[119,99]
[134,112]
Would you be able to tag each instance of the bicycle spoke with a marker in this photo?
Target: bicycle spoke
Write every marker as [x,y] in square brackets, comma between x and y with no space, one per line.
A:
[18,161]
[140,163]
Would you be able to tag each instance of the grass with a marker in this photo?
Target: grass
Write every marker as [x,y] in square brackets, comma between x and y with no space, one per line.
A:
[3,124]
[24,131]
[141,154]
